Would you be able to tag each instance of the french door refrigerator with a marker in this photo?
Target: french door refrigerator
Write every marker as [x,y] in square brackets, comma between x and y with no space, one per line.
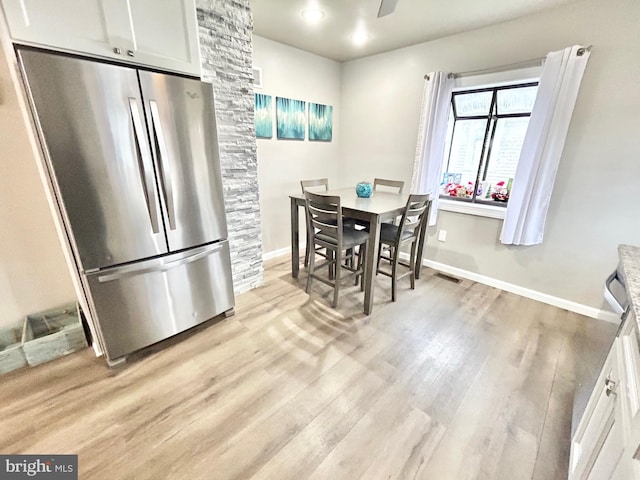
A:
[133,159]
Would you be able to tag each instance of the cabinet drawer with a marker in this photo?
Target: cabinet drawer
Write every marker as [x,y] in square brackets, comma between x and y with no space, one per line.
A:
[599,439]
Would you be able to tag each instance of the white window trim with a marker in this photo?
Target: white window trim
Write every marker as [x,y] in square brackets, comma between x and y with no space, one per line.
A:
[477,209]
[509,77]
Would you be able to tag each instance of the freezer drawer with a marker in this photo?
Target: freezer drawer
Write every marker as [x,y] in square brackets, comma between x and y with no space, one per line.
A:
[141,304]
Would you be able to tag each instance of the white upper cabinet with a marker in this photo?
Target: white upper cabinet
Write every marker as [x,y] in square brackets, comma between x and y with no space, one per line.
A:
[161,34]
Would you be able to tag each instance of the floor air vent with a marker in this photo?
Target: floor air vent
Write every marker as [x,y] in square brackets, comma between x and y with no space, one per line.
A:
[449,278]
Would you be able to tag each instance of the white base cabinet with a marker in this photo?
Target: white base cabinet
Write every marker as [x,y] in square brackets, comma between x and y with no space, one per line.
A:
[162,35]
[606,442]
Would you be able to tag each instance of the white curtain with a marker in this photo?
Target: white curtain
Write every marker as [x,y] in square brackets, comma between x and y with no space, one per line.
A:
[432,133]
[542,147]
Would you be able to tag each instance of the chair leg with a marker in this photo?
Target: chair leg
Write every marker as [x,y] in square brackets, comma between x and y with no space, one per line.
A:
[310,245]
[336,285]
[350,254]
[331,264]
[394,273]
[412,265]
[362,265]
[312,264]
[355,282]
[306,255]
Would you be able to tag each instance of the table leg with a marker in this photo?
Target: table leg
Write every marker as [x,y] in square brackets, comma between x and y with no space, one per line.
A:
[371,263]
[295,239]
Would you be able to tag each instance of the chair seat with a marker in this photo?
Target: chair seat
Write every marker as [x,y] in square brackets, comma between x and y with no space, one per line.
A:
[350,237]
[388,232]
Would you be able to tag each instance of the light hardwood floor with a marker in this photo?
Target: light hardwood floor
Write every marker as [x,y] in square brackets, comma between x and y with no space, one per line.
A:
[453,381]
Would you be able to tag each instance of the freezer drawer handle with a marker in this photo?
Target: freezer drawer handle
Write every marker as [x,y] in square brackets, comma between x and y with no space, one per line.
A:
[146,172]
[159,268]
[163,160]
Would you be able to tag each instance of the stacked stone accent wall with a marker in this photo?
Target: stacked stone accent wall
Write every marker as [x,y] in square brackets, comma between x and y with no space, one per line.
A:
[225,28]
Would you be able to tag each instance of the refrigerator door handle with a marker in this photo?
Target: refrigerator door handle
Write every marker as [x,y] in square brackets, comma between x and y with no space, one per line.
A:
[146,171]
[163,160]
[132,271]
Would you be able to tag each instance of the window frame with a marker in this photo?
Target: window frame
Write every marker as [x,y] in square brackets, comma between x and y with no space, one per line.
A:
[474,205]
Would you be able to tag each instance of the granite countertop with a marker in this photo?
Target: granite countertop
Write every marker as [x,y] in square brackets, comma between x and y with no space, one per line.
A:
[630,262]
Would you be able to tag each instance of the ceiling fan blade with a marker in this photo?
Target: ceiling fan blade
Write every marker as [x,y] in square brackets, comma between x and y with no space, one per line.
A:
[386,7]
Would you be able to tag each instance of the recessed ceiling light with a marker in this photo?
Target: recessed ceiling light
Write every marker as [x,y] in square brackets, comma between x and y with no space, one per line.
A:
[360,38]
[313,15]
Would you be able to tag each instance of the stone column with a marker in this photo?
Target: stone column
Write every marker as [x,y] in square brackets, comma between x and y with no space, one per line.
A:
[225,28]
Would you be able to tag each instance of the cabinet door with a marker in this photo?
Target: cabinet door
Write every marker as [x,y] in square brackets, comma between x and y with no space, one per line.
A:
[162,35]
[166,37]
[629,357]
[599,439]
[625,470]
[64,24]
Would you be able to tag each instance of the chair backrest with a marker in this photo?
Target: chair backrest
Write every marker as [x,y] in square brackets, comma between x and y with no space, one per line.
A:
[415,212]
[324,217]
[399,184]
[320,182]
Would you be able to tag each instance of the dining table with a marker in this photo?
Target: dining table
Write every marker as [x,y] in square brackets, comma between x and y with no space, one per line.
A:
[379,207]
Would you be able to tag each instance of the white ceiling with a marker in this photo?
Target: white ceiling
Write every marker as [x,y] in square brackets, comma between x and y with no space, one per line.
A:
[413,21]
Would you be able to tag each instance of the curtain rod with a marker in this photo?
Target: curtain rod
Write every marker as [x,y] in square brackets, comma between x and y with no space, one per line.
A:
[581,51]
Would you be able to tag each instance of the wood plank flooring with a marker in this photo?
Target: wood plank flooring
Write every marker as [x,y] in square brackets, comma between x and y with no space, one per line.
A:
[453,381]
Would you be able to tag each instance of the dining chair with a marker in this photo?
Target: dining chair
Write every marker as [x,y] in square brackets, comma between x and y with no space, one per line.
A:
[397,185]
[325,224]
[392,184]
[320,184]
[407,231]
[314,184]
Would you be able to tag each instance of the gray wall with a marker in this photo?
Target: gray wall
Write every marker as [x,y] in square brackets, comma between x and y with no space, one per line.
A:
[594,204]
[225,28]
[289,72]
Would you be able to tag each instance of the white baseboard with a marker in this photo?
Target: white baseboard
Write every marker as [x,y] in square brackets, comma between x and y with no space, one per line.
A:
[563,303]
[526,292]
[278,253]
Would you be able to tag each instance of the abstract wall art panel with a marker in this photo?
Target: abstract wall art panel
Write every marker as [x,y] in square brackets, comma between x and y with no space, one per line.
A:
[290,118]
[263,116]
[320,122]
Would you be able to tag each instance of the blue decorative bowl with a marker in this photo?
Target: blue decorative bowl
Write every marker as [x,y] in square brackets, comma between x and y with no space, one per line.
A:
[364,189]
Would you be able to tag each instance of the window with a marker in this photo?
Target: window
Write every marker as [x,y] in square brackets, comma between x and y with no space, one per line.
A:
[486,130]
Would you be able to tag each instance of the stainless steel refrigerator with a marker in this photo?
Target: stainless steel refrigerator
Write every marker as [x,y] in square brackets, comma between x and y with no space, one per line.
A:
[133,159]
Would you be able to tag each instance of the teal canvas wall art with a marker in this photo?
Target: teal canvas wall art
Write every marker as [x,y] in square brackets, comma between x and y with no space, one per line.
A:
[320,122]
[290,118]
[263,116]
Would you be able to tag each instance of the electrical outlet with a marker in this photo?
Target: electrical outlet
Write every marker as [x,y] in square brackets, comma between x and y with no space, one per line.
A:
[442,235]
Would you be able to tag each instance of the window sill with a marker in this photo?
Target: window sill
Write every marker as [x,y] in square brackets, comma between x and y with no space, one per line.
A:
[479,210]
